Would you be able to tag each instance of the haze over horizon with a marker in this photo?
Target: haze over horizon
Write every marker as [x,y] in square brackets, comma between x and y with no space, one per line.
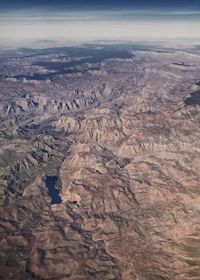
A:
[99,140]
[77,21]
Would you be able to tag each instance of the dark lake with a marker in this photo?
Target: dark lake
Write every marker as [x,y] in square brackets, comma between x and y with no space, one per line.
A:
[53,192]
[194,99]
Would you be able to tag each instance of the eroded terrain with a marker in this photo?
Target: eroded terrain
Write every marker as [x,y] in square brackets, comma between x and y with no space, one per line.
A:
[100,164]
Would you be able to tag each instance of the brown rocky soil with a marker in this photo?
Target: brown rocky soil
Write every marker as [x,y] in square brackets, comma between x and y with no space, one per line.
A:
[123,144]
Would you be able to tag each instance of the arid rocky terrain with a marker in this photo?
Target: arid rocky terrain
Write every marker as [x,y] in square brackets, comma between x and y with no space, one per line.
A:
[100,163]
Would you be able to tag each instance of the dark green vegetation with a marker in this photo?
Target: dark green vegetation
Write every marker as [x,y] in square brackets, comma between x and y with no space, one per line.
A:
[85,55]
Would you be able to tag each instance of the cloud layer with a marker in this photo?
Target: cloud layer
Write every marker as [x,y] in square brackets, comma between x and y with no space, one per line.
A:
[36,24]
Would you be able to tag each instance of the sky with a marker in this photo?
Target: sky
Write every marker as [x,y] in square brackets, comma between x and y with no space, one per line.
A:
[100,3]
[89,20]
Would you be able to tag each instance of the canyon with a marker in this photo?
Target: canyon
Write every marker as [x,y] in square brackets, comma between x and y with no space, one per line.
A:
[100,163]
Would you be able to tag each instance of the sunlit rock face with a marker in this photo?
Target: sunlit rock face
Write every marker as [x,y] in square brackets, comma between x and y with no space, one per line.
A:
[99,166]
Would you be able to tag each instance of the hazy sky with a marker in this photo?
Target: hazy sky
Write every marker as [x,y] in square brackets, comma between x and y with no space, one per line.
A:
[81,4]
[95,20]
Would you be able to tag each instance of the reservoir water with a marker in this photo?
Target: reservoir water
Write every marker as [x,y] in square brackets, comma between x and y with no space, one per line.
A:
[53,192]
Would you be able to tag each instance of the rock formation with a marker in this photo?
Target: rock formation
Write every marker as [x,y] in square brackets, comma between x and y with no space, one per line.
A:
[123,144]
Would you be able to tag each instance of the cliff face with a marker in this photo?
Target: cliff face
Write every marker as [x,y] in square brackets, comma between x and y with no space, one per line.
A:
[122,146]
